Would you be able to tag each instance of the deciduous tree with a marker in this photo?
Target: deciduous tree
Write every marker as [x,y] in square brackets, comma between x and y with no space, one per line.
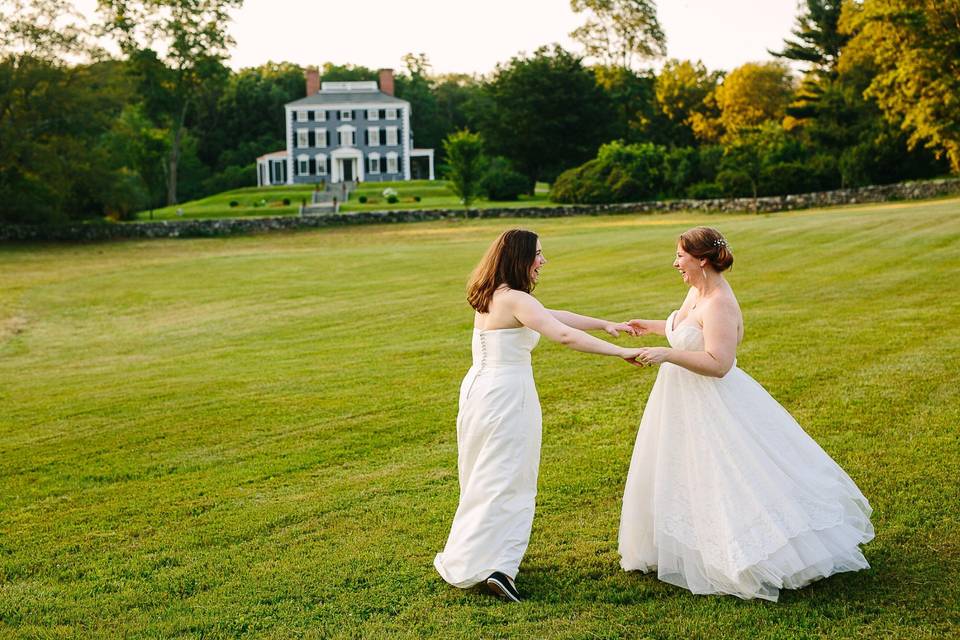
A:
[620,32]
[466,164]
[194,35]
[545,113]
[915,45]
[753,94]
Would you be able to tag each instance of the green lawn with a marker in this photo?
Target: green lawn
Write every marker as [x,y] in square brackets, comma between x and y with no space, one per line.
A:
[268,201]
[254,436]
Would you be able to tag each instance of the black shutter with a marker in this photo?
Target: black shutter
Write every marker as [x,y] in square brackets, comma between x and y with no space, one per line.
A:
[311,139]
[310,115]
[313,166]
[383,164]
[366,137]
[296,167]
[328,166]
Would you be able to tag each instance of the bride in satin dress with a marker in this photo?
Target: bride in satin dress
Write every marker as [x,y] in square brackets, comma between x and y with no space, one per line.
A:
[499,422]
[726,493]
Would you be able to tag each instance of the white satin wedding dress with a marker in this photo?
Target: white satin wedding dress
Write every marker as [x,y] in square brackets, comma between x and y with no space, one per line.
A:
[727,494]
[498,445]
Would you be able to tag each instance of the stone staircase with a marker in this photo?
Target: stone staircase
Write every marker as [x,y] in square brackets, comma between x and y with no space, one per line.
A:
[328,199]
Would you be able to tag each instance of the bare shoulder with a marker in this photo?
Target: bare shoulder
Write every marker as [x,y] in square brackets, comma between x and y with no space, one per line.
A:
[723,307]
[513,297]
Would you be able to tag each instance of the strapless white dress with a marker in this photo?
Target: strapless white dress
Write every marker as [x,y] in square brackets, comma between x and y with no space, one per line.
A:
[727,494]
[498,444]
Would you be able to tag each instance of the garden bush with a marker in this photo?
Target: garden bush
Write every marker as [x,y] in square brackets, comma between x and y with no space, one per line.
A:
[619,173]
[501,182]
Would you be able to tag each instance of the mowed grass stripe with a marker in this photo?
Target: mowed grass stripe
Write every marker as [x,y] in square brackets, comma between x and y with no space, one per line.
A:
[255,435]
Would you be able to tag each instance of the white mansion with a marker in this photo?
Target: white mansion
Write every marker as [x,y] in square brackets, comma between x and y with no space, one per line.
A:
[345,132]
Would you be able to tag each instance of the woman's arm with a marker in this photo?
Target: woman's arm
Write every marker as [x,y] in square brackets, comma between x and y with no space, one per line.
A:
[659,327]
[646,327]
[529,312]
[720,333]
[587,323]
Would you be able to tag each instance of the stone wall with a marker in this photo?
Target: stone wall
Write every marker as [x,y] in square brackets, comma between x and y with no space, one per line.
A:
[92,232]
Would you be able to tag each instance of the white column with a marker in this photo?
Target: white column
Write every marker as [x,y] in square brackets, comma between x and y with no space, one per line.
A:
[289,114]
[406,143]
[431,164]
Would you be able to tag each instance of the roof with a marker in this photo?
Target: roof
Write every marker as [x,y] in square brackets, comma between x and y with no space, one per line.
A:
[347,93]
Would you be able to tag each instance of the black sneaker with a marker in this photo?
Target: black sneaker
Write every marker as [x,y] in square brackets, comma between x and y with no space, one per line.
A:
[502,585]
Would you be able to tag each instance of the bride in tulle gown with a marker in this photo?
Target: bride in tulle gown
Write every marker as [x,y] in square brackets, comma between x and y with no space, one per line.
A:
[726,493]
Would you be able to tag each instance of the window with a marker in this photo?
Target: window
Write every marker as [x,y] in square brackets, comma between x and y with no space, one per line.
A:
[391,163]
[392,136]
[321,165]
[346,115]
[303,138]
[301,116]
[373,114]
[373,163]
[348,138]
[321,115]
[373,136]
[303,165]
[321,137]
[391,114]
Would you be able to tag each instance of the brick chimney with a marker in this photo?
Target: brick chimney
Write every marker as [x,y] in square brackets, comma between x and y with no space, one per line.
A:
[386,81]
[313,80]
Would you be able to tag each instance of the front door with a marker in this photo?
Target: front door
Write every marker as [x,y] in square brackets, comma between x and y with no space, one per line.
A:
[347,166]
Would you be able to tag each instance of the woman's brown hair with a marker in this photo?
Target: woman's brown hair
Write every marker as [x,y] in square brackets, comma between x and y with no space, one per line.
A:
[708,244]
[507,261]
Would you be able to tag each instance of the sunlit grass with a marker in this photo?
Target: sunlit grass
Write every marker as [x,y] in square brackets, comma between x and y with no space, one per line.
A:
[269,201]
[255,435]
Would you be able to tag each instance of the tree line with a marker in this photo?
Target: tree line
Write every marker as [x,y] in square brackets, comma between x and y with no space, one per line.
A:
[85,134]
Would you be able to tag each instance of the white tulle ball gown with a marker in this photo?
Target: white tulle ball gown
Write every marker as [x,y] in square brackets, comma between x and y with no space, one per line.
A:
[499,429]
[727,494]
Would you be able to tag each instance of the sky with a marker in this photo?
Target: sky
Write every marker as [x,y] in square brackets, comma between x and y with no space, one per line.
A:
[473,36]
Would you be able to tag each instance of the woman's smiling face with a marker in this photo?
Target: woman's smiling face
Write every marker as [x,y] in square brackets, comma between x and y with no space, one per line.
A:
[538,261]
[686,264]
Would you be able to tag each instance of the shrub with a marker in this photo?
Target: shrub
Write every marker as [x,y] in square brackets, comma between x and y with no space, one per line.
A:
[704,191]
[501,182]
[619,173]
[233,177]
[362,199]
[392,198]
[416,198]
[735,184]
[286,202]
[234,203]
